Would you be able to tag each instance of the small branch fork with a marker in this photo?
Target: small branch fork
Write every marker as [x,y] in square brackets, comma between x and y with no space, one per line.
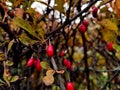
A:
[57,30]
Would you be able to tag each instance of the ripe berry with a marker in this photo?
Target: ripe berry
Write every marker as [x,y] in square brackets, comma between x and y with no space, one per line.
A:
[85,23]
[94,12]
[110,46]
[62,53]
[30,62]
[50,50]
[83,28]
[67,63]
[37,64]
[69,86]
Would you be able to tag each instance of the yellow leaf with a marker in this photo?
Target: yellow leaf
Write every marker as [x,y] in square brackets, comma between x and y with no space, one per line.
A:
[108,24]
[59,6]
[50,72]
[108,35]
[17,3]
[48,80]
[10,45]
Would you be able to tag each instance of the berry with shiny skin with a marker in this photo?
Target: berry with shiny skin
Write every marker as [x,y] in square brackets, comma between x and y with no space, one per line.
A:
[67,63]
[110,46]
[94,12]
[62,53]
[37,64]
[69,86]
[85,22]
[50,50]
[83,28]
[30,62]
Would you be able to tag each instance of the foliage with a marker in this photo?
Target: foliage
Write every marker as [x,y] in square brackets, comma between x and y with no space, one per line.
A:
[26,33]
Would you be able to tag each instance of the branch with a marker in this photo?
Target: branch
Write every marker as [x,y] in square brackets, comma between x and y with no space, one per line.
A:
[59,76]
[86,62]
[69,21]
[103,88]
[6,28]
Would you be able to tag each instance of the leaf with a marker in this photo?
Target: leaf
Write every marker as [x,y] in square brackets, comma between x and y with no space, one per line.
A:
[25,25]
[2,56]
[108,24]
[1,81]
[9,63]
[50,72]
[116,47]
[14,78]
[116,7]
[45,65]
[10,45]
[108,35]
[26,40]
[59,6]
[48,80]
[17,3]
[40,32]
[6,80]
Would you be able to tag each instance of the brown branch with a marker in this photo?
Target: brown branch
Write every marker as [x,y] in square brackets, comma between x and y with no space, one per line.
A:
[57,30]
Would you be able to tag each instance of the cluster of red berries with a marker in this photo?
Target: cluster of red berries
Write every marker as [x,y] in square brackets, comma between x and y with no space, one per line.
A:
[36,63]
[83,26]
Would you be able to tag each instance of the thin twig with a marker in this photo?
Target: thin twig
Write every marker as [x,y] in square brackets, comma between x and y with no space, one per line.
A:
[69,21]
[105,85]
[85,61]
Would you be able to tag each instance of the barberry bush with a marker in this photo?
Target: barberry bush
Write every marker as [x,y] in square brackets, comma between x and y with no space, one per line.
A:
[69,45]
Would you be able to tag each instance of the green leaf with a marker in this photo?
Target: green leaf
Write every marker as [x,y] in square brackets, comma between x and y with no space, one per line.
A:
[14,78]
[116,47]
[26,40]
[10,45]
[45,65]
[25,25]
[1,81]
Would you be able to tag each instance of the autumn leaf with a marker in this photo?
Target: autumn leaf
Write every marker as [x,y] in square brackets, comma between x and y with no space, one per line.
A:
[49,79]
[25,25]
[108,35]
[10,45]
[116,6]
[26,40]
[17,3]
[108,24]
[59,6]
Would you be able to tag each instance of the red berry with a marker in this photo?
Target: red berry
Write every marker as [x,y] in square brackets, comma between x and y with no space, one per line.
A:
[69,86]
[110,46]
[94,12]
[37,64]
[85,23]
[50,50]
[83,28]
[62,53]
[67,63]
[30,62]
